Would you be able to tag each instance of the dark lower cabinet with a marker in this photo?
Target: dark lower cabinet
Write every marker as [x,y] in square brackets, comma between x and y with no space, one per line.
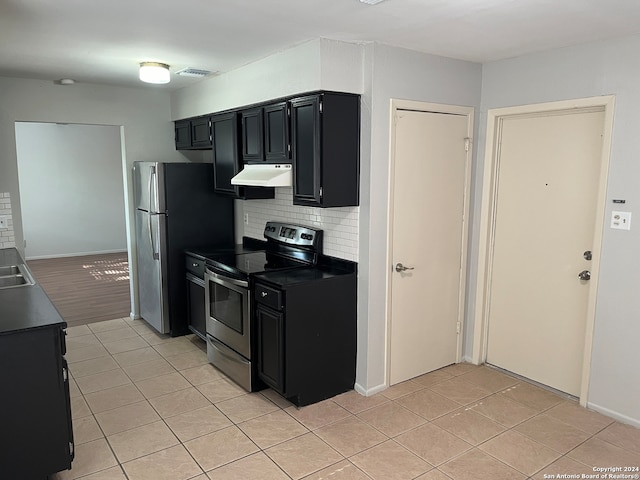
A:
[196,315]
[306,335]
[270,352]
[35,409]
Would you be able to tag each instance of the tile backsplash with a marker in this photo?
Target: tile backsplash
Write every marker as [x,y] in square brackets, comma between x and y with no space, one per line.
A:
[7,235]
[340,225]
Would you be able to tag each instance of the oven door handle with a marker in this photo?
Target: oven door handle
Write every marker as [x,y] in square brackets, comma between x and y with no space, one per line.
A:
[224,280]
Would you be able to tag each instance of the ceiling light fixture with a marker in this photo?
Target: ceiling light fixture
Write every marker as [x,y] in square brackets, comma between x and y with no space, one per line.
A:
[371,2]
[154,72]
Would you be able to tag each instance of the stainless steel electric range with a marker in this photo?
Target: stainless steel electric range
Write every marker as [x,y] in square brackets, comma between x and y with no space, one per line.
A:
[229,294]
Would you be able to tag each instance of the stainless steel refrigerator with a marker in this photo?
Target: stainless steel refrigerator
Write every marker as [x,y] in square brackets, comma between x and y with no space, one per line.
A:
[176,210]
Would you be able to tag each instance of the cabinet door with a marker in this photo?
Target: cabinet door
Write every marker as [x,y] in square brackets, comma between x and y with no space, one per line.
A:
[252,135]
[276,133]
[226,163]
[35,406]
[305,146]
[183,134]
[196,314]
[200,133]
[270,326]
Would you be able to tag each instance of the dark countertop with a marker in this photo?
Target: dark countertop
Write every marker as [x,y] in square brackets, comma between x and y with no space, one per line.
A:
[328,267]
[24,307]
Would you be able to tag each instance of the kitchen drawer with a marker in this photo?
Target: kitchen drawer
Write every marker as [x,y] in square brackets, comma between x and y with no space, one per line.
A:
[195,266]
[268,296]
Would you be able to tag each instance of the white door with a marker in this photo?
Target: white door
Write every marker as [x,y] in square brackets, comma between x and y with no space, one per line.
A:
[549,167]
[429,188]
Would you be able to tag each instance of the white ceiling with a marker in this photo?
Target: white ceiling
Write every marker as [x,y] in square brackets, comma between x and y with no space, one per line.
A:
[103,41]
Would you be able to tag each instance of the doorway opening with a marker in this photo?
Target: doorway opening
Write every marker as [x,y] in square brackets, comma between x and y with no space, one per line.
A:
[72,201]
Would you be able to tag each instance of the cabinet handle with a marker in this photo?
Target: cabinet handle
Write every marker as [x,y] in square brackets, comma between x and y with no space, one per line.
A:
[195,264]
[65,375]
[264,294]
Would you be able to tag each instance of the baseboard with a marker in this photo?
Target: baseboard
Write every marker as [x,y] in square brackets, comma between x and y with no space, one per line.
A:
[369,392]
[66,255]
[613,414]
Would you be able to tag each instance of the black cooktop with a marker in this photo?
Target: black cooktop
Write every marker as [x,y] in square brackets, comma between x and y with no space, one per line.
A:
[250,263]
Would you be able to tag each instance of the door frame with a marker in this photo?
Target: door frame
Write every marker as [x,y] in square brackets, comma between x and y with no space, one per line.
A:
[395,105]
[488,215]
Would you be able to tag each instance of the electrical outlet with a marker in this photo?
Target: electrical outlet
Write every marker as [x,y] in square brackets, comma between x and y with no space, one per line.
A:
[246,219]
[3,221]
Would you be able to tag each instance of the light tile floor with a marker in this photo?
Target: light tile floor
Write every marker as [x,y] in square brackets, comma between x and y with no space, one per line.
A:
[146,406]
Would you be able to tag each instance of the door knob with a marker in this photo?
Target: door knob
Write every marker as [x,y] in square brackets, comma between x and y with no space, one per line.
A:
[584,275]
[587,255]
[402,268]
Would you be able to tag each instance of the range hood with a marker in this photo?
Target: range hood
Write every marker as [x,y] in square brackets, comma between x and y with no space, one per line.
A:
[269,175]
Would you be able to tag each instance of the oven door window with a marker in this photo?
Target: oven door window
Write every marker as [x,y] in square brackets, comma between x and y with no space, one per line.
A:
[226,306]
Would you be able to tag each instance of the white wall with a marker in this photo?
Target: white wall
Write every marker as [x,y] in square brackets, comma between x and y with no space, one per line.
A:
[288,72]
[602,68]
[71,189]
[143,115]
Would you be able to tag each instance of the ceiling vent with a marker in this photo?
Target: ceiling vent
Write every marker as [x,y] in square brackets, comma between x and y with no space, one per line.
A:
[193,72]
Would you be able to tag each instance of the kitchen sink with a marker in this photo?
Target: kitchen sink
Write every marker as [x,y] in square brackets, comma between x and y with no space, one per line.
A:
[15,276]
[9,270]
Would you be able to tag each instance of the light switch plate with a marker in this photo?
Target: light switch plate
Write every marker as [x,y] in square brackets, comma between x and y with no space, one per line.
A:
[621,220]
[3,221]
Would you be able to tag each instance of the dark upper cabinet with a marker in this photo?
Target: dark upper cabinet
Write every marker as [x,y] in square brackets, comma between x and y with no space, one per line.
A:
[252,135]
[276,133]
[265,134]
[201,133]
[226,159]
[193,133]
[183,134]
[226,163]
[325,145]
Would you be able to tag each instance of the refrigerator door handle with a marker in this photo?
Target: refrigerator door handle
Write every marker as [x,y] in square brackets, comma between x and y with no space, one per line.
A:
[152,175]
[155,253]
